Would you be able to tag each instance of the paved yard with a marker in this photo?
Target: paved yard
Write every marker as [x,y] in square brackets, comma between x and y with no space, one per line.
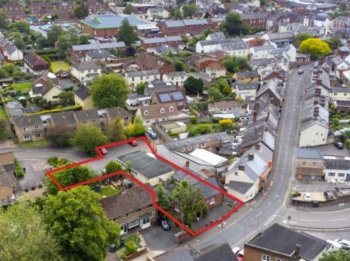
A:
[157,239]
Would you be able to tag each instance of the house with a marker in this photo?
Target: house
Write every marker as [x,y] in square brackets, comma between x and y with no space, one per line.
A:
[133,78]
[132,209]
[314,127]
[160,113]
[153,42]
[215,70]
[146,168]
[46,86]
[83,97]
[86,71]
[280,39]
[246,77]
[40,9]
[341,22]
[309,165]
[107,25]
[34,64]
[247,91]
[274,90]
[227,107]
[178,97]
[180,27]
[64,9]
[14,11]
[248,175]
[8,186]
[339,66]
[256,20]
[280,243]
[29,128]
[11,52]
[83,48]
[96,6]
[340,94]
[157,12]
[176,78]
[229,46]
[336,168]
[261,52]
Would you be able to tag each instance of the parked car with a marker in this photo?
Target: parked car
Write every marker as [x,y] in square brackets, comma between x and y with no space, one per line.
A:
[339,145]
[133,143]
[300,71]
[151,134]
[164,224]
[104,151]
[345,244]
[112,248]
[235,250]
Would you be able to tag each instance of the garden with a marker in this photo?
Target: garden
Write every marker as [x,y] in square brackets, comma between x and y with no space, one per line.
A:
[131,246]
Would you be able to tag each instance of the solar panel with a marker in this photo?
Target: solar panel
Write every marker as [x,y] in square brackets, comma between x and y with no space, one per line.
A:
[177,96]
[165,97]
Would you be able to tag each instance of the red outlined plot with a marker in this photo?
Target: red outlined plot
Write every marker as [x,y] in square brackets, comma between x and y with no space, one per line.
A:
[100,156]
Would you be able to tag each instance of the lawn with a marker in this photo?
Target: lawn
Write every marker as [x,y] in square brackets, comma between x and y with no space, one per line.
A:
[203,128]
[22,86]
[109,191]
[3,114]
[33,144]
[60,66]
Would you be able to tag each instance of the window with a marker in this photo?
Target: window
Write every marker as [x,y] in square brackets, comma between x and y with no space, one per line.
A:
[314,163]
[146,112]
[331,174]
[25,129]
[265,258]
[171,109]
[278,259]
[341,175]
[303,163]
[162,110]
[37,135]
[146,220]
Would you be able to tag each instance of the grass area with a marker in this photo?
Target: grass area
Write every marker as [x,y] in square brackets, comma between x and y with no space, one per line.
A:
[3,114]
[33,144]
[203,128]
[22,86]
[59,66]
[109,191]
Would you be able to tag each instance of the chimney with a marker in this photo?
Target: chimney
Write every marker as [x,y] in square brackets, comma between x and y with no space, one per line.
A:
[297,250]
[187,164]
[255,114]
[315,101]
[257,146]
[250,156]
[267,116]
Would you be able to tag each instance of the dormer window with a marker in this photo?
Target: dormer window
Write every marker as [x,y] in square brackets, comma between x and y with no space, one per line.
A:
[146,112]
[162,110]
[171,108]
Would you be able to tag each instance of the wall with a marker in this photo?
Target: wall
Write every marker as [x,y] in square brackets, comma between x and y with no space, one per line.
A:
[308,136]
[253,254]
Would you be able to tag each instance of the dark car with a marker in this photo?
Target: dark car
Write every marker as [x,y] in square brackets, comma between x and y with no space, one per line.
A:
[339,145]
[112,248]
[165,224]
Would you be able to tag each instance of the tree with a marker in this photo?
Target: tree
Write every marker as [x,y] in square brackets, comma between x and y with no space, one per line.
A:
[23,235]
[188,10]
[63,45]
[69,177]
[339,255]
[21,26]
[53,34]
[263,3]
[79,224]
[113,166]
[4,22]
[20,44]
[81,11]
[128,9]
[87,137]
[190,201]
[315,47]
[193,86]
[342,8]
[163,197]
[334,42]
[302,37]
[233,25]
[109,90]
[127,33]
[116,131]
[140,88]
[136,128]
[235,64]
[67,97]
[60,136]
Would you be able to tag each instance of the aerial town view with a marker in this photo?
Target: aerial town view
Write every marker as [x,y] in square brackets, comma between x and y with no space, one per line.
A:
[175,130]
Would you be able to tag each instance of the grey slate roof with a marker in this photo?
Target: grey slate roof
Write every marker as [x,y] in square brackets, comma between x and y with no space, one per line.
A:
[340,163]
[83,92]
[146,165]
[222,252]
[96,46]
[87,65]
[241,187]
[143,73]
[283,240]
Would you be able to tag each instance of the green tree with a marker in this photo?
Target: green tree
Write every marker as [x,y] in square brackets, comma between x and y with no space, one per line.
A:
[109,90]
[20,44]
[60,136]
[235,64]
[334,42]
[81,11]
[69,177]
[190,202]
[116,131]
[127,33]
[215,95]
[77,221]
[339,255]
[140,88]
[136,128]
[233,25]
[67,97]
[21,26]
[87,137]
[113,166]
[193,86]
[63,45]
[53,34]
[315,47]
[128,9]
[163,197]
[4,22]
[84,38]
[302,37]
[23,235]
[188,10]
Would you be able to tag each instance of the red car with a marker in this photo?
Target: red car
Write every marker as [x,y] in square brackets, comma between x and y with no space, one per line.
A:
[133,143]
[104,151]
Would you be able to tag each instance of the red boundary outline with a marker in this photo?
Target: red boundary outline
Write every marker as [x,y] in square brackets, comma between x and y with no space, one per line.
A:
[147,188]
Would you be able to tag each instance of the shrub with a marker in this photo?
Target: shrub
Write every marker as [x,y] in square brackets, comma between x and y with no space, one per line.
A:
[226,124]
[19,170]
[194,120]
[130,247]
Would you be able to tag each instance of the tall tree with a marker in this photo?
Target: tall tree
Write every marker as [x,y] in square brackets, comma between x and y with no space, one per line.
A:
[53,34]
[163,197]
[234,64]
[79,225]
[128,9]
[69,177]
[315,47]
[136,128]
[339,255]
[188,10]
[4,22]
[109,90]
[116,132]
[21,26]
[87,137]
[233,25]
[190,201]
[60,136]
[193,86]
[81,11]
[23,235]
[127,33]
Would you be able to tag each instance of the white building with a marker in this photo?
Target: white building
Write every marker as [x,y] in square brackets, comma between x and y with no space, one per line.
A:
[86,71]
[261,52]
[176,78]
[230,46]
[336,168]
[134,78]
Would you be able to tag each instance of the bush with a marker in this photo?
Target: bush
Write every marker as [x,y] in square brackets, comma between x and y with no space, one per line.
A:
[194,120]
[200,130]
[226,124]
[130,247]
[19,170]
[112,166]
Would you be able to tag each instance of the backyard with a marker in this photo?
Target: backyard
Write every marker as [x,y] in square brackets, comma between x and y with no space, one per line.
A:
[59,66]
[108,191]
[23,87]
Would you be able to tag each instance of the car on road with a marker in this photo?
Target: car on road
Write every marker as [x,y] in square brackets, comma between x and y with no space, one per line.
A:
[339,145]
[300,71]
[104,151]
[345,244]
[164,224]
[133,143]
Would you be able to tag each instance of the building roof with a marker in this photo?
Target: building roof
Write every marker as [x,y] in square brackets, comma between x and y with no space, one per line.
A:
[336,162]
[165,39]
[7,158]
[146,164]
[111,21]
[185,22]
[209,157]
[283,240]
[222,252]
[98,46]
[171,96]
[25,121]
[83,92]
[303,153]
[241,187]
[142,73]
[156,111]
[35,60]
[253,16]
[86,65]
[126,202]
